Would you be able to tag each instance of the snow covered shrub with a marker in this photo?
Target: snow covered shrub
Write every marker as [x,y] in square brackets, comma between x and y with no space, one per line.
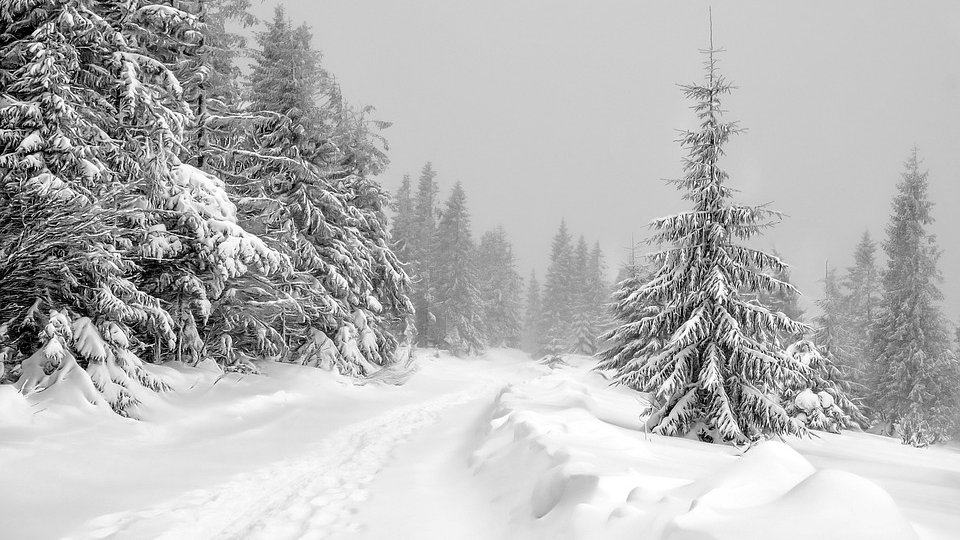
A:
[816,393]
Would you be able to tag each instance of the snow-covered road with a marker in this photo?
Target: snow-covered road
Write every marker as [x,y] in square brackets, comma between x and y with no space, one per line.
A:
[315,496]
[471,449]
[290,455]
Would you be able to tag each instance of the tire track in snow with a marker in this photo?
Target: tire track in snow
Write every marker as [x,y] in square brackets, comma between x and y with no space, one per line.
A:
[315,496]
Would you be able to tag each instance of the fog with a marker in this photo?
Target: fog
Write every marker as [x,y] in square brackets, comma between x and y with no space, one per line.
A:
[548,110]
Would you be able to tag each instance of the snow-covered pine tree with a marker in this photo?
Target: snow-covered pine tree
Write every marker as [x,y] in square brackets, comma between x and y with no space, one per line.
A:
[916,375]
[862,294]
[194,245]
[582,299]
[86,119]
[817,396]
[533,318]
[401,231]
[557,297]
[690,337]
[500,289]
[833,340]
[459,302]
[423,253]
[831,336]
[305,189]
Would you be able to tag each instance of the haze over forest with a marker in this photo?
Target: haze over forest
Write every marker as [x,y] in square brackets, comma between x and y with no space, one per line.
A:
[551,110]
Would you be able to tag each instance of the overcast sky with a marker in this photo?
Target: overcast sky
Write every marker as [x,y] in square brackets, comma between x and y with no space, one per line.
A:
[554,109]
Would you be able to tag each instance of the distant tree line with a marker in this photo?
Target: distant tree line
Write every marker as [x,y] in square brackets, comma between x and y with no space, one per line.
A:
[466,296]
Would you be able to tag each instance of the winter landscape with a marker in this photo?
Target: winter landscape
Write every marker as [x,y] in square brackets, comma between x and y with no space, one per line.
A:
[239,301]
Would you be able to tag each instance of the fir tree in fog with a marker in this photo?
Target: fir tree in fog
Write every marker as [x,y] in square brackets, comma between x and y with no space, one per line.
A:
[557,295]
[422,251]
[501,289]
[916,377]
[460,306]
[533,317]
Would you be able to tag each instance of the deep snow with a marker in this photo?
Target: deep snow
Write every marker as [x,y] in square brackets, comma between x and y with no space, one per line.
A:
[481,448]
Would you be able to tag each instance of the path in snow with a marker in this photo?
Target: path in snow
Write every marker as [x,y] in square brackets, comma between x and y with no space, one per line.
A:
[311,497]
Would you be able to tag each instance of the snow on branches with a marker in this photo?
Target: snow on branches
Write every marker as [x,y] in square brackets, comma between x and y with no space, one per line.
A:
[691,335]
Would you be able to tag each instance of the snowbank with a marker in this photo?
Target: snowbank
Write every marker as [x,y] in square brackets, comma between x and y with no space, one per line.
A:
[570,455]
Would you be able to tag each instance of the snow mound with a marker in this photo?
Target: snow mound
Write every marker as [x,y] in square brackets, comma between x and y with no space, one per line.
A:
[570,456]
[828,504]
[763,473]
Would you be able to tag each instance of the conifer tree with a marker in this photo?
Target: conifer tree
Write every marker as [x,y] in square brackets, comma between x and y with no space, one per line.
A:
[557,299]
[309,194]
[818,395]
[832,337]
[582,308]
[402,231]
[92,120]
[916,376]
[690,336]
[501,288]
[459,302]
[422,252]
[862,284]
[533,318]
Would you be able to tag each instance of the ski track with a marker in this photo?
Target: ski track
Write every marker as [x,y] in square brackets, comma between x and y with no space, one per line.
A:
[310,497]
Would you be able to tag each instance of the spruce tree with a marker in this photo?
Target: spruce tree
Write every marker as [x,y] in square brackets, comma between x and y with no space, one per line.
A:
[501,288]
[422,252]
[558,295]
[459,302]
[310,195]
[401,231]
[690,336]
[862,284]
[533,318]
[833,339]
[93,119]
[916,375]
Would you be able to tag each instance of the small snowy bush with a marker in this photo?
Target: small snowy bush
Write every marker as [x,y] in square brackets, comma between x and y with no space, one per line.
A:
[816,394]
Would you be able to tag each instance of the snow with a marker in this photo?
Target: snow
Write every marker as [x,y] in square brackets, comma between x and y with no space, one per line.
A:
[478,448]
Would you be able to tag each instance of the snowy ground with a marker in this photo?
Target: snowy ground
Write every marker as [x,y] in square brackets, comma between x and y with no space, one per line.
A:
[485,448]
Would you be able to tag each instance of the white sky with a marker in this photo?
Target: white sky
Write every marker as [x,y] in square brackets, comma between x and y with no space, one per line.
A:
[547,109]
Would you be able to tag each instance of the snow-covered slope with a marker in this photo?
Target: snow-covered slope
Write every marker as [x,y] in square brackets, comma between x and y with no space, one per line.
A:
[568,453]
[474,449]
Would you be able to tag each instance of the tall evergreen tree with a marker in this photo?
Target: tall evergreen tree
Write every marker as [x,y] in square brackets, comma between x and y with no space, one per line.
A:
[422,251]
[862,284]
[306,191]
[92,121]
[558,294]
[832,336]
[690,336]
[533,318]
[501,289]
[582,310]
[402,230]
[916,376]
[459,301]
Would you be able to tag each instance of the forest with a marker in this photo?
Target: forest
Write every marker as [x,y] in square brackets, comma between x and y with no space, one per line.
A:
[167,197]
[217,321]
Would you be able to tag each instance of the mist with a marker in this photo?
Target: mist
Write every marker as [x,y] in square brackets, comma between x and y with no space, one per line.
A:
[549,110]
